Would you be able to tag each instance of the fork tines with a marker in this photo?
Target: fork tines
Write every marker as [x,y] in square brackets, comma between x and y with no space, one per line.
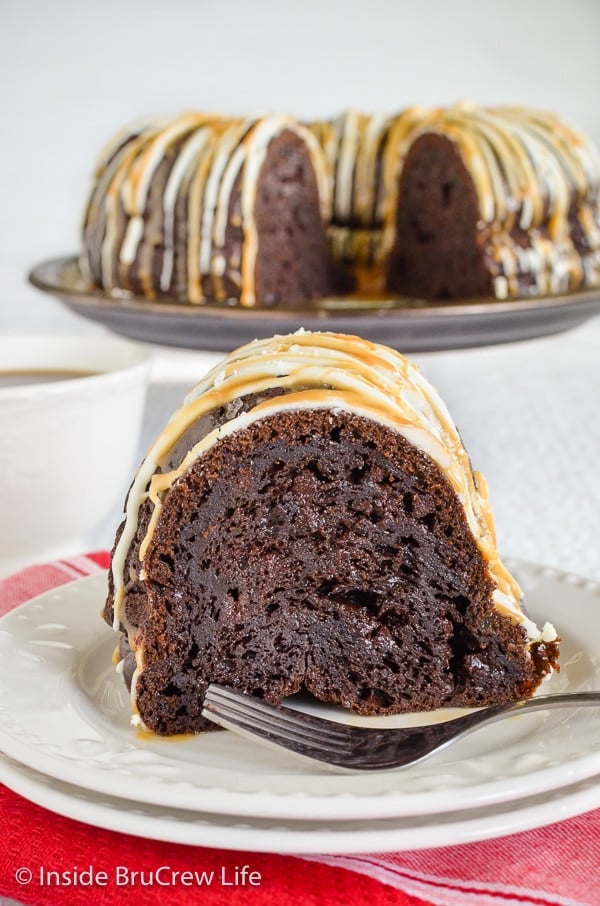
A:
[309,735]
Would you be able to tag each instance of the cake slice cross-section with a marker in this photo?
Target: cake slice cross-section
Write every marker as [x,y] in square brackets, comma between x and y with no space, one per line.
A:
[309,520]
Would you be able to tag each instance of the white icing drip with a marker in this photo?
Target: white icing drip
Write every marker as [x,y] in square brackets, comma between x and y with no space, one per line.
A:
[345,167]
[365,184]
[501,287]
[230,174]
[227,142]
[218,265]
[185,159]
[548,633]
[131,240]
[135,187]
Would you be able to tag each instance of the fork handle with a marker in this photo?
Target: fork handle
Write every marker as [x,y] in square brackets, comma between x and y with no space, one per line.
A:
[538,703]
[543,702]
[403,747]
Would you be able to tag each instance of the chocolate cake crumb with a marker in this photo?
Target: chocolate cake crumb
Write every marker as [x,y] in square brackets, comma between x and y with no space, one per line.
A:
[320,551]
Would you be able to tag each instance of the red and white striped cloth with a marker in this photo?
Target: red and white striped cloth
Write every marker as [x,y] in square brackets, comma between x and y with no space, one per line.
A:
[558,865]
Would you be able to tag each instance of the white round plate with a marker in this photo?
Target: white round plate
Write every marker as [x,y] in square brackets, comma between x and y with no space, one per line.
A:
[298,837]
[65,712]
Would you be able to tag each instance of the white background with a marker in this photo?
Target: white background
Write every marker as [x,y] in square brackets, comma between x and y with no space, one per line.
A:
[72,72]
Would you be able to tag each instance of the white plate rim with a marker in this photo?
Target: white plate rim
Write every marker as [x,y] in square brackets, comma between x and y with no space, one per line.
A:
[344,803]
[241,833]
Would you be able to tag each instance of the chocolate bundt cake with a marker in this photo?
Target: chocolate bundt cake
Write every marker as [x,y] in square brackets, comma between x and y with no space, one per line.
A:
[308,519]
[440,204]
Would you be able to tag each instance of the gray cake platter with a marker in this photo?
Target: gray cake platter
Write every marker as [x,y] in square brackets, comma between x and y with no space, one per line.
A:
[409,325]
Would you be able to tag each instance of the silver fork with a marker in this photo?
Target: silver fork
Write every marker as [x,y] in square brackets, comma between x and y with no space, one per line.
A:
[345,748]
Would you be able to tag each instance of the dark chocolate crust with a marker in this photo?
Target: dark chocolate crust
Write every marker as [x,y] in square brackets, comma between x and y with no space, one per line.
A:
[320,551]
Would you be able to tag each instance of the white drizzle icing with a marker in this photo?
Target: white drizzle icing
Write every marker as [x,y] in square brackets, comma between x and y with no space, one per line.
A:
[186,157]
[135,188]
[228,141]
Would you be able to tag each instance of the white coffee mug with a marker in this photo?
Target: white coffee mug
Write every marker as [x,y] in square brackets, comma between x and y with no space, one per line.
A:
[67,446]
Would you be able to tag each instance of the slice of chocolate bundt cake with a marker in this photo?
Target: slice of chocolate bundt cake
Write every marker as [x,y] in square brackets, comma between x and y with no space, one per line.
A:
[308,519]
[203,208]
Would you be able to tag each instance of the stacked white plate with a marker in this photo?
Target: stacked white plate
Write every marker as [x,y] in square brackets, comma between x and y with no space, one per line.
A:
[68,745]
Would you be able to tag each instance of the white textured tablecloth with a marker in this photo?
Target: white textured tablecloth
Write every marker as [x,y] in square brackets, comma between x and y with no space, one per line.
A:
[528,413]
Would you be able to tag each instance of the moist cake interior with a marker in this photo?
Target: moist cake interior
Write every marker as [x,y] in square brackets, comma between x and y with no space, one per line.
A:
[319,551]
